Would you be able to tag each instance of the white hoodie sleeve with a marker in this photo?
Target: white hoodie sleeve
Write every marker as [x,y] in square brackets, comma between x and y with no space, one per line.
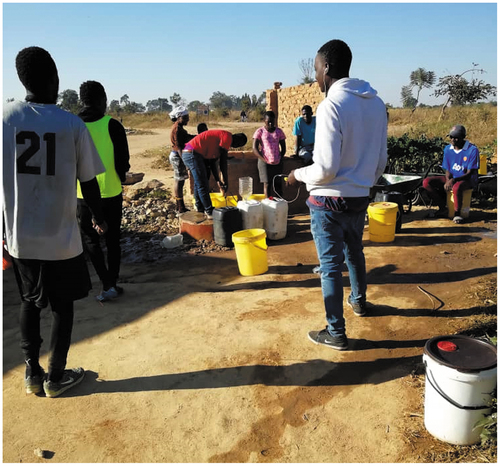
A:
[327,147]
[382,158]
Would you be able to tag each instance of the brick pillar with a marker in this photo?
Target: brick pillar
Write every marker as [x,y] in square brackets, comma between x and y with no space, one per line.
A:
[272,100]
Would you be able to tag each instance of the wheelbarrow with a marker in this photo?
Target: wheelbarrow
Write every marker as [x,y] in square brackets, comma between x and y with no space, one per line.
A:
[406,185]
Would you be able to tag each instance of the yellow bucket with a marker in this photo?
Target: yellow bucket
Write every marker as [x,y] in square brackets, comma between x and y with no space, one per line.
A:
[382,218]
[251,251]
[218,200]
[483,166]
[464,212]
[257,197]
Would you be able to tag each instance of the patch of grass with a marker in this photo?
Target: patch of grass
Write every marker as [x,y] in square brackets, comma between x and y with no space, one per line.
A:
[160,156]
[159,194]
[480,120]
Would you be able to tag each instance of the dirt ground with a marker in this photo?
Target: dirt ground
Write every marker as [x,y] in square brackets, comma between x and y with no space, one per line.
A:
[196,363]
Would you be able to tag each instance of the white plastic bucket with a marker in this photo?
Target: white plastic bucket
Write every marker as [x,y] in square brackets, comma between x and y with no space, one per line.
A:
[460,375]
[251,214]
[275,218]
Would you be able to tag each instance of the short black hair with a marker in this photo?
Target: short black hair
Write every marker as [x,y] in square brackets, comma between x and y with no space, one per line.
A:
[338,56]
[270,114]
[201,127]
[91,93]
[36,69]
[239,140]
[306,108]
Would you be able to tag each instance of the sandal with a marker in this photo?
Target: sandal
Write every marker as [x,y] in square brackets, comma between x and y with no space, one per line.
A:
[458,219]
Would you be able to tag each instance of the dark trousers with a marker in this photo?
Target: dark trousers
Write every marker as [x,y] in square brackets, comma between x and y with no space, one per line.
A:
[60,337]
[112,210]
[434,186]
[57,283]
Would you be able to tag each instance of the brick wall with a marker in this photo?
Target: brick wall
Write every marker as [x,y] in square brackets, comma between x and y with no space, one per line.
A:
[287,104]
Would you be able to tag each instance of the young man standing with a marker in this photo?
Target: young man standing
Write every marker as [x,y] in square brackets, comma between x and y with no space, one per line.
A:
[350,153]
[110,140]
[45,150]
[304,130]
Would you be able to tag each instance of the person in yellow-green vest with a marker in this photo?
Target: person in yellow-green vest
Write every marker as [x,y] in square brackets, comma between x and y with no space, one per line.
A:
[110,140]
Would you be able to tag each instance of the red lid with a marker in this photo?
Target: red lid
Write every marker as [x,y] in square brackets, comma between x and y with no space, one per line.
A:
[447,346]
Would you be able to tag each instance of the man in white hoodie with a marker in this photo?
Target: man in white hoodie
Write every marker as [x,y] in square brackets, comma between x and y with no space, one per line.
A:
[350,153]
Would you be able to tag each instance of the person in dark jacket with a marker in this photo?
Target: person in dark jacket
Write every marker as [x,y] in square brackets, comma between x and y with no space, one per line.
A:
[110,140]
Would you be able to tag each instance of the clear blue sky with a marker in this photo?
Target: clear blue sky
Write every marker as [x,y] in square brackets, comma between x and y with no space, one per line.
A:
[153,50]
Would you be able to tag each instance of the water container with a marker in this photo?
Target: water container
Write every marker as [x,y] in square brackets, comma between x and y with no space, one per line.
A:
[382,221]
[399,199]
[251,251]
[466,199]
[257,197]
[218,200]
[275,217]
[483,165]
[460,376]
[227,220]
[246,187]
[172,241]
[252,214]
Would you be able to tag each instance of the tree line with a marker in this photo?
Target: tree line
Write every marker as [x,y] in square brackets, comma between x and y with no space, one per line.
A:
[219,102]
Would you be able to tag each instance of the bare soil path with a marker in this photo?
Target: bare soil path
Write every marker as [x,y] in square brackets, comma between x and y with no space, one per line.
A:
[195,363]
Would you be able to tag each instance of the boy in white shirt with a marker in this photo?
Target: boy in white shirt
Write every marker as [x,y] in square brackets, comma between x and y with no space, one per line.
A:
[45,150]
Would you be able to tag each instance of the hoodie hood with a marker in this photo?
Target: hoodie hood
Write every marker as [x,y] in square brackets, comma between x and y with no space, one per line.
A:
[353,86]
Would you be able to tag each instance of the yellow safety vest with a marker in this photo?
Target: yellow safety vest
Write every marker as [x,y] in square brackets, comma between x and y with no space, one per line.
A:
[109,181]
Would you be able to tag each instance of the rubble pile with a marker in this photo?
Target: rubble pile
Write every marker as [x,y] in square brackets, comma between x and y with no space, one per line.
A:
[148,217]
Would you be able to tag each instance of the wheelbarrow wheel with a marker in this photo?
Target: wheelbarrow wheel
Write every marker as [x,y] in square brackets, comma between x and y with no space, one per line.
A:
[409,202]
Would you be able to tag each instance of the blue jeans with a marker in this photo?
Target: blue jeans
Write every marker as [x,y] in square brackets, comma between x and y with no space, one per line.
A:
[338,236]
[196,165]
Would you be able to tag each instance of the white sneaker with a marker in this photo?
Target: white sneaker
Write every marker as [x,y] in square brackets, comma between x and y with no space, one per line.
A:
[107,295]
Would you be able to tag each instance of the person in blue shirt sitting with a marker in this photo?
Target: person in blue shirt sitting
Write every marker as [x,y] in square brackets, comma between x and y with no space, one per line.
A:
[304,130]
[461,163]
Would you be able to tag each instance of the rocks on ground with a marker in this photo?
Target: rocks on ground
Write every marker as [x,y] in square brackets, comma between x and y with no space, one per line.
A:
[148,216]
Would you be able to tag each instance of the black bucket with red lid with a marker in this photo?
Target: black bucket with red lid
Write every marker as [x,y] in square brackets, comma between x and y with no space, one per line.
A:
[462,353]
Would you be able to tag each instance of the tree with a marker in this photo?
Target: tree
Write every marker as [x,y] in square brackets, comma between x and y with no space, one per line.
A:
[176,99]
[10,100]
[134,107]
[114,106]
[68,100]
[306,66]
[124,100]
[158,105]
[407,98]
[420,78]
[193,106]
[219,100]
[246,102]
[459,91]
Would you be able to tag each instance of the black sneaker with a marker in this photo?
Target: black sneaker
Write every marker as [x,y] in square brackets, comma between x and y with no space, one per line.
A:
[324,338]
[34,383]
[70,378]
[359,309]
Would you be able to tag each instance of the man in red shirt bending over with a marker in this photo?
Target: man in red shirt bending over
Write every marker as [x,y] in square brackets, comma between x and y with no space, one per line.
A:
[212,144]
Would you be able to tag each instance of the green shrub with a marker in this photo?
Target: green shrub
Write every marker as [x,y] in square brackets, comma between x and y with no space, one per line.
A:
[410,155]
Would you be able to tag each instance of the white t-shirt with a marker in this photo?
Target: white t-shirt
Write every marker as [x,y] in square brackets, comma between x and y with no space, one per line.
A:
[45,150]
